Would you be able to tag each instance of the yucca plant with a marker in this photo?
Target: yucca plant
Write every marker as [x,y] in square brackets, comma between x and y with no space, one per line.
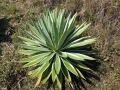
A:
[55,48]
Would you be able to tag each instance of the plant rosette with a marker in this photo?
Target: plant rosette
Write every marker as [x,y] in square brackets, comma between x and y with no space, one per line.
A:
[55,48]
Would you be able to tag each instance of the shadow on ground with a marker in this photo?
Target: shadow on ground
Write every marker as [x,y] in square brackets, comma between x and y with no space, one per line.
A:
[77,82]
[90,76]
[6,30]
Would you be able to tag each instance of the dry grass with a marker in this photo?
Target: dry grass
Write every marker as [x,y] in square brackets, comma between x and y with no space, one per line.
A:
[105,18]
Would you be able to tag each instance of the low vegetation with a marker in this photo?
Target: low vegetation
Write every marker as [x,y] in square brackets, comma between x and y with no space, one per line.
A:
[105,27]
[55,48]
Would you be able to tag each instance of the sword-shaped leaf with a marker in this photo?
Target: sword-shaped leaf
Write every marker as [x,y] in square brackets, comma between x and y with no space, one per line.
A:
[27,52]
[78,56]
[54,73]
[57,64]
[38,80]
[35,31]
[33,42]
[34,37]
[83,43]
[80,74]
[48,58]
[60,80]
[69,66]
[31,58]
[40,48]
[44,67]
[79,31]
[66,73]
[44,30]
[33,62]
[75,56]
[35,72]
[46,75]
[79,64]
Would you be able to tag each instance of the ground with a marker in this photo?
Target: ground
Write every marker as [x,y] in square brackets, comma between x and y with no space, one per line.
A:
[104,16]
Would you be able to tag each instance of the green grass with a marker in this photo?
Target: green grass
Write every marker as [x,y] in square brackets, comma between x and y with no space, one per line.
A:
[104,16]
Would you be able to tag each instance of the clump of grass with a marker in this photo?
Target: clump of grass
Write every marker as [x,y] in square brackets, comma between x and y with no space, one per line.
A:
[11,9]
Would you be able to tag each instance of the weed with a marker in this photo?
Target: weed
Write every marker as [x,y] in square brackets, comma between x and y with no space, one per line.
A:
[116,76]
[106,58]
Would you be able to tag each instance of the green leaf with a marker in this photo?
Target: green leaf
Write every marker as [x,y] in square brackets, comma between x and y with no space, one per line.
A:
[46,64]
[34,37]
[34,57]
[69,42]
[54,73]
[56,38]
[67,29]
[44,67]
[32,42]
[65,33]
[61,22]
[71,22]
[83,43]
[80,74]
[52,47]
[44,29]
[55,27]
[74,56]
[63,54]
[85,52]
[47,33]
[48,58]
[70,37]
[33,62]
[79,64]
[27,52]
[80,40]
[35,31]
[50,26]
[38,80]
[66,73]
[69,66]
[46,78]
[79,31]
[40,48]
[35,72]
[78,56]
[57,64]
[39,60]
[80,26]
[46,75]
[85,57]
[83,66]
[59,80]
